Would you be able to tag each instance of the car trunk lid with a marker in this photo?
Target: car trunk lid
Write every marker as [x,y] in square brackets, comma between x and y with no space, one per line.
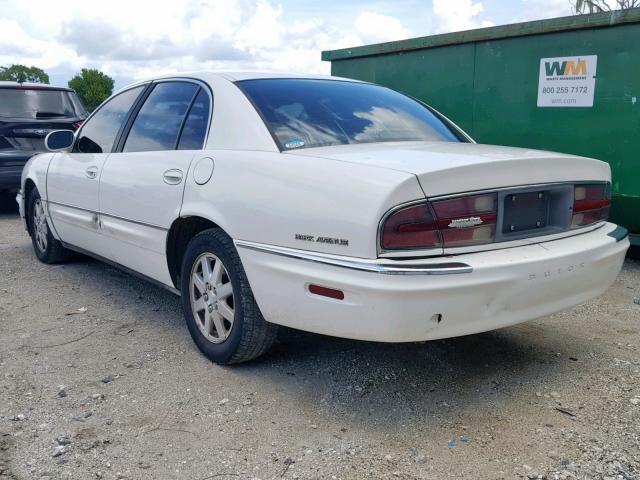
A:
[446,168]
[484,196]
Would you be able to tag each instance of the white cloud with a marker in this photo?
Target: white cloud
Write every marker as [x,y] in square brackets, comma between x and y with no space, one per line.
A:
[375,27]
[17,46]
[537,9]
[220,16]
[457,15]
[134,39]
[131,40]
[263,29]
[137,39]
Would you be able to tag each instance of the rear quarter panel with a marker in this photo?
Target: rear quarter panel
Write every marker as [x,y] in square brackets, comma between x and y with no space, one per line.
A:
[270,197]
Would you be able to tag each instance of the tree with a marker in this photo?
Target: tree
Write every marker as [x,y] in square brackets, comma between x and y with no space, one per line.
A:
[597,6]
[22,73]
[92,86]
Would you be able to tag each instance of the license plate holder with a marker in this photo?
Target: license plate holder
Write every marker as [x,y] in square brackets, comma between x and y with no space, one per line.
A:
[525,212]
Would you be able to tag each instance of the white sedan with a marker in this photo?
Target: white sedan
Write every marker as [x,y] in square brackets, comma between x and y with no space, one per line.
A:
[323,204]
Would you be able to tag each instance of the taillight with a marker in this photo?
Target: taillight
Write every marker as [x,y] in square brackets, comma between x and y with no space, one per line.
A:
[410,227]
[451,223]
[591,203]
[78,124]
[467,220]
[473,219]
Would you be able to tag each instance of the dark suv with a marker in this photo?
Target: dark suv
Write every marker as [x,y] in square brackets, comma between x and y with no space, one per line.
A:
[28,112]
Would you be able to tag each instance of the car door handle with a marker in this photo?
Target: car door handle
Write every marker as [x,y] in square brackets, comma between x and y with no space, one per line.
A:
[172,176]
[91,172]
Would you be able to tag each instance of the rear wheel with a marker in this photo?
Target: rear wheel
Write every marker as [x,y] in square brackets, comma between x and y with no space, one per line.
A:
[45,246]
[221,313]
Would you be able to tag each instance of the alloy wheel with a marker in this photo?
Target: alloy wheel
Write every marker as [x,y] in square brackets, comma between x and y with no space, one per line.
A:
[40,228]
[212,299]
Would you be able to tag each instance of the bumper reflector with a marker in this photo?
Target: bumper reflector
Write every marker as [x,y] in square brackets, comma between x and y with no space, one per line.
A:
[326,292]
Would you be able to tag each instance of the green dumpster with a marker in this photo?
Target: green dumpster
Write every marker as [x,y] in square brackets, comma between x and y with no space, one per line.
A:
[568,84]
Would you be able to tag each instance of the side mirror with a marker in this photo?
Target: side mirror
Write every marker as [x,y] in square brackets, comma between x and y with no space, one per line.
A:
[59,140]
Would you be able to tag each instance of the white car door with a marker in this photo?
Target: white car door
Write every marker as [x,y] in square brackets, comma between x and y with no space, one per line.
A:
[73,177]
[142,183]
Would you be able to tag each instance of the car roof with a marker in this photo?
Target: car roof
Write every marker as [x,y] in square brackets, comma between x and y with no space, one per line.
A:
[33,86]
[238,76]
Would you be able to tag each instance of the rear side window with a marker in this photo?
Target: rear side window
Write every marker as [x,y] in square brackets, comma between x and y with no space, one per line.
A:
[34,103]
[158,122]
[195,127]
[99,133]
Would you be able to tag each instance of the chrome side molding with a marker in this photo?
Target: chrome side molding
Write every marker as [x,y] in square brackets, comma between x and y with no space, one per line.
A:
[396,268]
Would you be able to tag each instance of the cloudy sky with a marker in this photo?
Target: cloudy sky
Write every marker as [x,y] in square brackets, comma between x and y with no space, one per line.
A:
[134,39]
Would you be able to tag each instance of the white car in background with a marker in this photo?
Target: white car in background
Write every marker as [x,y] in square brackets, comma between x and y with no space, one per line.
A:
[323,204]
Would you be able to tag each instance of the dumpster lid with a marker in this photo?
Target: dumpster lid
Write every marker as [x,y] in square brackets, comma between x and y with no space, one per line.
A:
[536,27]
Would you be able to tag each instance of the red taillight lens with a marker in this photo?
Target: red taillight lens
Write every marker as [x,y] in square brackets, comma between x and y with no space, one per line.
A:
[452,223]
[591,203]
[78,124]
[467,220]
[410,227]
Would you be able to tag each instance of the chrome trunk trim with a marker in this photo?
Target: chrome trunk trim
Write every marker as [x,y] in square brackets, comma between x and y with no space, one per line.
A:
[374,266]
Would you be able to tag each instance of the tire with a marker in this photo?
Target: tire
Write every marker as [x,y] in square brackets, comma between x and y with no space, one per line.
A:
[46,247]
[215,289]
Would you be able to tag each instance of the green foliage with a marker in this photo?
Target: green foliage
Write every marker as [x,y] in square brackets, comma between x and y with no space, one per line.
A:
[92,86]
[22,73]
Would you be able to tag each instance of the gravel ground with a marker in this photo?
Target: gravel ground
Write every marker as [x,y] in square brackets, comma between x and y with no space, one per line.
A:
[100,379]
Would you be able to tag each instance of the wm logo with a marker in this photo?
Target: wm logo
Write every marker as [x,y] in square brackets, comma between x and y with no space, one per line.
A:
[568,67]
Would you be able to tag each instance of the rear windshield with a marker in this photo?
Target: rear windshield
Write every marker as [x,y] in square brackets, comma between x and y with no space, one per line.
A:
[34,103]
[303,113]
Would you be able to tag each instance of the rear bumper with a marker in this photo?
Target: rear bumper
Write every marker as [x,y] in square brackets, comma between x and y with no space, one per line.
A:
[10,177]
[501,288]
[11,164]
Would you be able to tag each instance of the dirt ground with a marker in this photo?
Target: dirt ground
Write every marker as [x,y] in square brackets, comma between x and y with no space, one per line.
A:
[100,379]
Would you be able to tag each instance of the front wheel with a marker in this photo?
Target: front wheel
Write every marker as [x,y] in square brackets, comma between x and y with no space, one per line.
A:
[221,313]
[45,246]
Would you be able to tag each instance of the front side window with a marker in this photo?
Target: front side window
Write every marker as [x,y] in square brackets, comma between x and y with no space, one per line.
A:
[158,123]
[99,133]
[303,113]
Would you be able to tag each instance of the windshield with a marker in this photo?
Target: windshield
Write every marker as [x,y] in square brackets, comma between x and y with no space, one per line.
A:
[36,103]
[304,113]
